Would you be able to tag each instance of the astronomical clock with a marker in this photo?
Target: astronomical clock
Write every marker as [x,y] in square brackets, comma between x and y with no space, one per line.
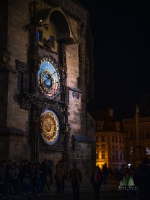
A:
[48,78]
[49,127]
[49,85]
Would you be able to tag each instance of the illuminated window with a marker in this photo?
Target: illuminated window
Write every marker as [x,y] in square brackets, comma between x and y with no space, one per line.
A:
[39,35]
[103,154]
[97,155]
[116,138]
[116,154]
[102,138]
[112,138]
[131,150]
[103,147]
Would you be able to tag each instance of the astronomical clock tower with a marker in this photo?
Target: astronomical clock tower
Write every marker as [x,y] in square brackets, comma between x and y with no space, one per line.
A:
[46,76]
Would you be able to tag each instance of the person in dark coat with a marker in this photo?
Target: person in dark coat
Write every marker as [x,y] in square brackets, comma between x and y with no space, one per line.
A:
[144,179]
[97,178]
[75,177]
[105,173]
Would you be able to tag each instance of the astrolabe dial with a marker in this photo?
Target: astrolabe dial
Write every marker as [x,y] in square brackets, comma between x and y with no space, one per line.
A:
[48,78]
[49,127]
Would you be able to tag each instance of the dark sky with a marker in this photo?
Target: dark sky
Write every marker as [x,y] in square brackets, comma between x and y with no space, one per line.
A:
[121,32]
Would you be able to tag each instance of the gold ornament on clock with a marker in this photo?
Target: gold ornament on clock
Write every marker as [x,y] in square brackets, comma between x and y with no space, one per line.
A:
[49,127]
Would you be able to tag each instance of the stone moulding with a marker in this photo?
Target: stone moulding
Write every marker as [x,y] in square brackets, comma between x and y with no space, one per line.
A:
[81,138]
[26,100]
[75,89]
[11,131]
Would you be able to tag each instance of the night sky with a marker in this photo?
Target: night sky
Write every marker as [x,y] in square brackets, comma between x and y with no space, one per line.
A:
[121,33]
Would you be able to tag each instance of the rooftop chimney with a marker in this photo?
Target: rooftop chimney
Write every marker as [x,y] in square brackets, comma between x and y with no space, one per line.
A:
[111,112]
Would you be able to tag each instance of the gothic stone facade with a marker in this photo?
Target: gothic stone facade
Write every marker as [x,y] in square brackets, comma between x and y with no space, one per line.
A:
[46,71]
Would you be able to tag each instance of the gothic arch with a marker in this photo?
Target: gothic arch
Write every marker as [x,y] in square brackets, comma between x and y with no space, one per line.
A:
[61,22]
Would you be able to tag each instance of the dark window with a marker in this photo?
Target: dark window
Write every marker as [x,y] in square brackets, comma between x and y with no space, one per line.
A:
[116,138]
[116,154]
[52,40]
[147,134]
[120,155]
[20,82]
[113,154]
[39,35]
[131,135]
[102,138]
[103,154]
[124,155]
[120,139]
[22,85]
[112,138]
[97,139]
[97,156]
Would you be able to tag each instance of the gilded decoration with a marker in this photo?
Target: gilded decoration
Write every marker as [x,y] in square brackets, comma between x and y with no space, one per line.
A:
[49,127]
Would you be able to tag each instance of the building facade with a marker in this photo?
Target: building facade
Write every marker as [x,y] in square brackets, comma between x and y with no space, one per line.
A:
[46,76]
[138,133]
[110,139]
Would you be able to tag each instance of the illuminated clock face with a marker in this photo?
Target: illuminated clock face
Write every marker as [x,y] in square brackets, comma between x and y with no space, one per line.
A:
[48,78]
[49,127]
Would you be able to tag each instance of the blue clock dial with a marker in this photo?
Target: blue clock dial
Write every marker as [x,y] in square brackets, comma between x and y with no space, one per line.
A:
[48,78]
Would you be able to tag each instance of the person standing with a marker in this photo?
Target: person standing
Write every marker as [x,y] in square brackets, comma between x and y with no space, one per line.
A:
[13,180]
[64,169]
[38,178]
[105,173]
[2,175]
[46,174]
[75,177]
[97,178]
[58,178]
[143,175]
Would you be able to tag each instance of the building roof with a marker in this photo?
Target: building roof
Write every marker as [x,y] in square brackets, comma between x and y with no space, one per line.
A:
[109,121]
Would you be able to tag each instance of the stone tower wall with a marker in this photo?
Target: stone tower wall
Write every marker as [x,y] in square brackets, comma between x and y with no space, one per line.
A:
[18,146]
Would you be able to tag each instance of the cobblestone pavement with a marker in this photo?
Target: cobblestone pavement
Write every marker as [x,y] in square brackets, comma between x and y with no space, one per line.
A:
[108,192]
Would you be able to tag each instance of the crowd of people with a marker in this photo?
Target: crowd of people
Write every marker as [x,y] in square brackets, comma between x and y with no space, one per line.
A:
[35,178]
[30,178]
